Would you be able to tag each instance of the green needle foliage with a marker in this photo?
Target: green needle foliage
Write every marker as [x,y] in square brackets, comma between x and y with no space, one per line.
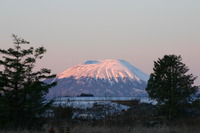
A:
[170,85]
[22,91]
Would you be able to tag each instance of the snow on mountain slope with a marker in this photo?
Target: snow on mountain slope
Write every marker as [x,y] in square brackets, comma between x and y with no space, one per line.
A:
[100,78]
[105,69]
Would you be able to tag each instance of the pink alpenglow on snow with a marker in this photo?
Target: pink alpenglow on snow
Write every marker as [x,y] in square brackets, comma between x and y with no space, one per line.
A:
[100,77]
[105,69]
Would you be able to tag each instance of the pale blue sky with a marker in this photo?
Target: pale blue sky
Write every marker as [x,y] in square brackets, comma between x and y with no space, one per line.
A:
[139,31]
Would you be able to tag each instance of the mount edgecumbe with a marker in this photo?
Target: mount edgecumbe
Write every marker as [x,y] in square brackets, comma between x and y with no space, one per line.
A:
[100,78]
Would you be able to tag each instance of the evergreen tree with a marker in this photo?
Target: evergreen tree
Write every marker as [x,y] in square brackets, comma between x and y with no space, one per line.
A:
[170,85]
[22,91]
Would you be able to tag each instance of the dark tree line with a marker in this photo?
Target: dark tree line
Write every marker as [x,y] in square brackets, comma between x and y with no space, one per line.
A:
[22,90]
[171,85]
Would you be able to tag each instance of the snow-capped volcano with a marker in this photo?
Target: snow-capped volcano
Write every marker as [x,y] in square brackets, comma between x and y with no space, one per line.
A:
[100,77]
[110,70]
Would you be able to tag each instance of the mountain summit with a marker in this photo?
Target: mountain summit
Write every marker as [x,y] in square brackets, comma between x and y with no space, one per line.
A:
[100,78]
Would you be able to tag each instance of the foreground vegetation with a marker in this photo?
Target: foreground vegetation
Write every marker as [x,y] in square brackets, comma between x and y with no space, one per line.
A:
[115,129]
[140,118]
[164,129]
[22,90]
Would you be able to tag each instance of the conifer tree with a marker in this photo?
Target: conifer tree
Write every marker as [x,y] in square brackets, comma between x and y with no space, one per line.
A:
[170,85]
[22,90]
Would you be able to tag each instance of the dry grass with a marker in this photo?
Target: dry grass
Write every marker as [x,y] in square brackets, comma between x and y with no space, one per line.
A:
[164,129]
[25,131]
[88,129]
